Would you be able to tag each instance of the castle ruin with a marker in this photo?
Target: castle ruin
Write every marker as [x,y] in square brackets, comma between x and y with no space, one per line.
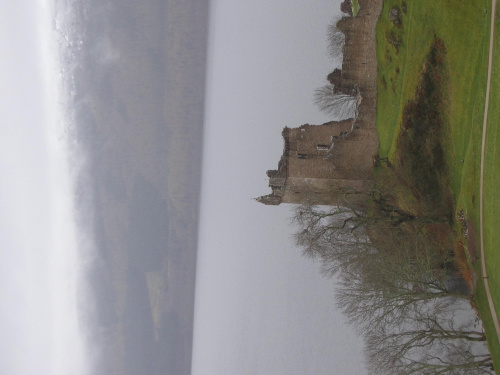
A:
[322,164]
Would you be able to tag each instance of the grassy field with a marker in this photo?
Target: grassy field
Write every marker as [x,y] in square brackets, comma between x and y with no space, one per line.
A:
[492,177]
[463,27]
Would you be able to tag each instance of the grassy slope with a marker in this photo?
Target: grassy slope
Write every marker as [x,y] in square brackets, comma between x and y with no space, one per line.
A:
[492,177]
[464,28]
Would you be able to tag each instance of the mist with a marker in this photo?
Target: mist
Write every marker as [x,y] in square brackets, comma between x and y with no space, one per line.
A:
[40,272]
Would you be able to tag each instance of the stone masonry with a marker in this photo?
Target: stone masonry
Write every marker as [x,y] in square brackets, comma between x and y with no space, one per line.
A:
[328,163]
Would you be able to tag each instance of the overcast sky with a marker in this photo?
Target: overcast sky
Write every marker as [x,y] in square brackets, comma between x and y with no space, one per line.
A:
[38,264]
[261,308]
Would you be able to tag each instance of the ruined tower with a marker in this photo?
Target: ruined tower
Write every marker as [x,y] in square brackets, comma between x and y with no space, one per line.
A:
[323,164]
[333,163]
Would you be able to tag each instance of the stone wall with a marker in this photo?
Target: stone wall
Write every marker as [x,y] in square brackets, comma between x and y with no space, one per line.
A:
[323,163]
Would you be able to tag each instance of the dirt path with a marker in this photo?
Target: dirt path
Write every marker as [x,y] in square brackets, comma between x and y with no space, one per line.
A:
[481,203]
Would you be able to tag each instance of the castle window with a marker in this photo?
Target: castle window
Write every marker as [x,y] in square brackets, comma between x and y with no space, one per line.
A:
[302,156]
[322,147]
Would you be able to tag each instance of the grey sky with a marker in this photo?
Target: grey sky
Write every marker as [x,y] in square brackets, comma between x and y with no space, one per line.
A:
[38,273]
[260,307]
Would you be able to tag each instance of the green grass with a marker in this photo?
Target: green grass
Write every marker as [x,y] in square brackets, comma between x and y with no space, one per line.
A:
[463,26]
[492,178]
[355,7]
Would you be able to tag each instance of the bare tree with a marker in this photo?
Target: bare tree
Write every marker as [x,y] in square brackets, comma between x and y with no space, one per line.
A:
[431,340]
[336,41]
[335,235]
[338,235]
[458,357]
[333,103]
[428,325]
[322,226]
[403,272]
[326,224]
[394,286]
